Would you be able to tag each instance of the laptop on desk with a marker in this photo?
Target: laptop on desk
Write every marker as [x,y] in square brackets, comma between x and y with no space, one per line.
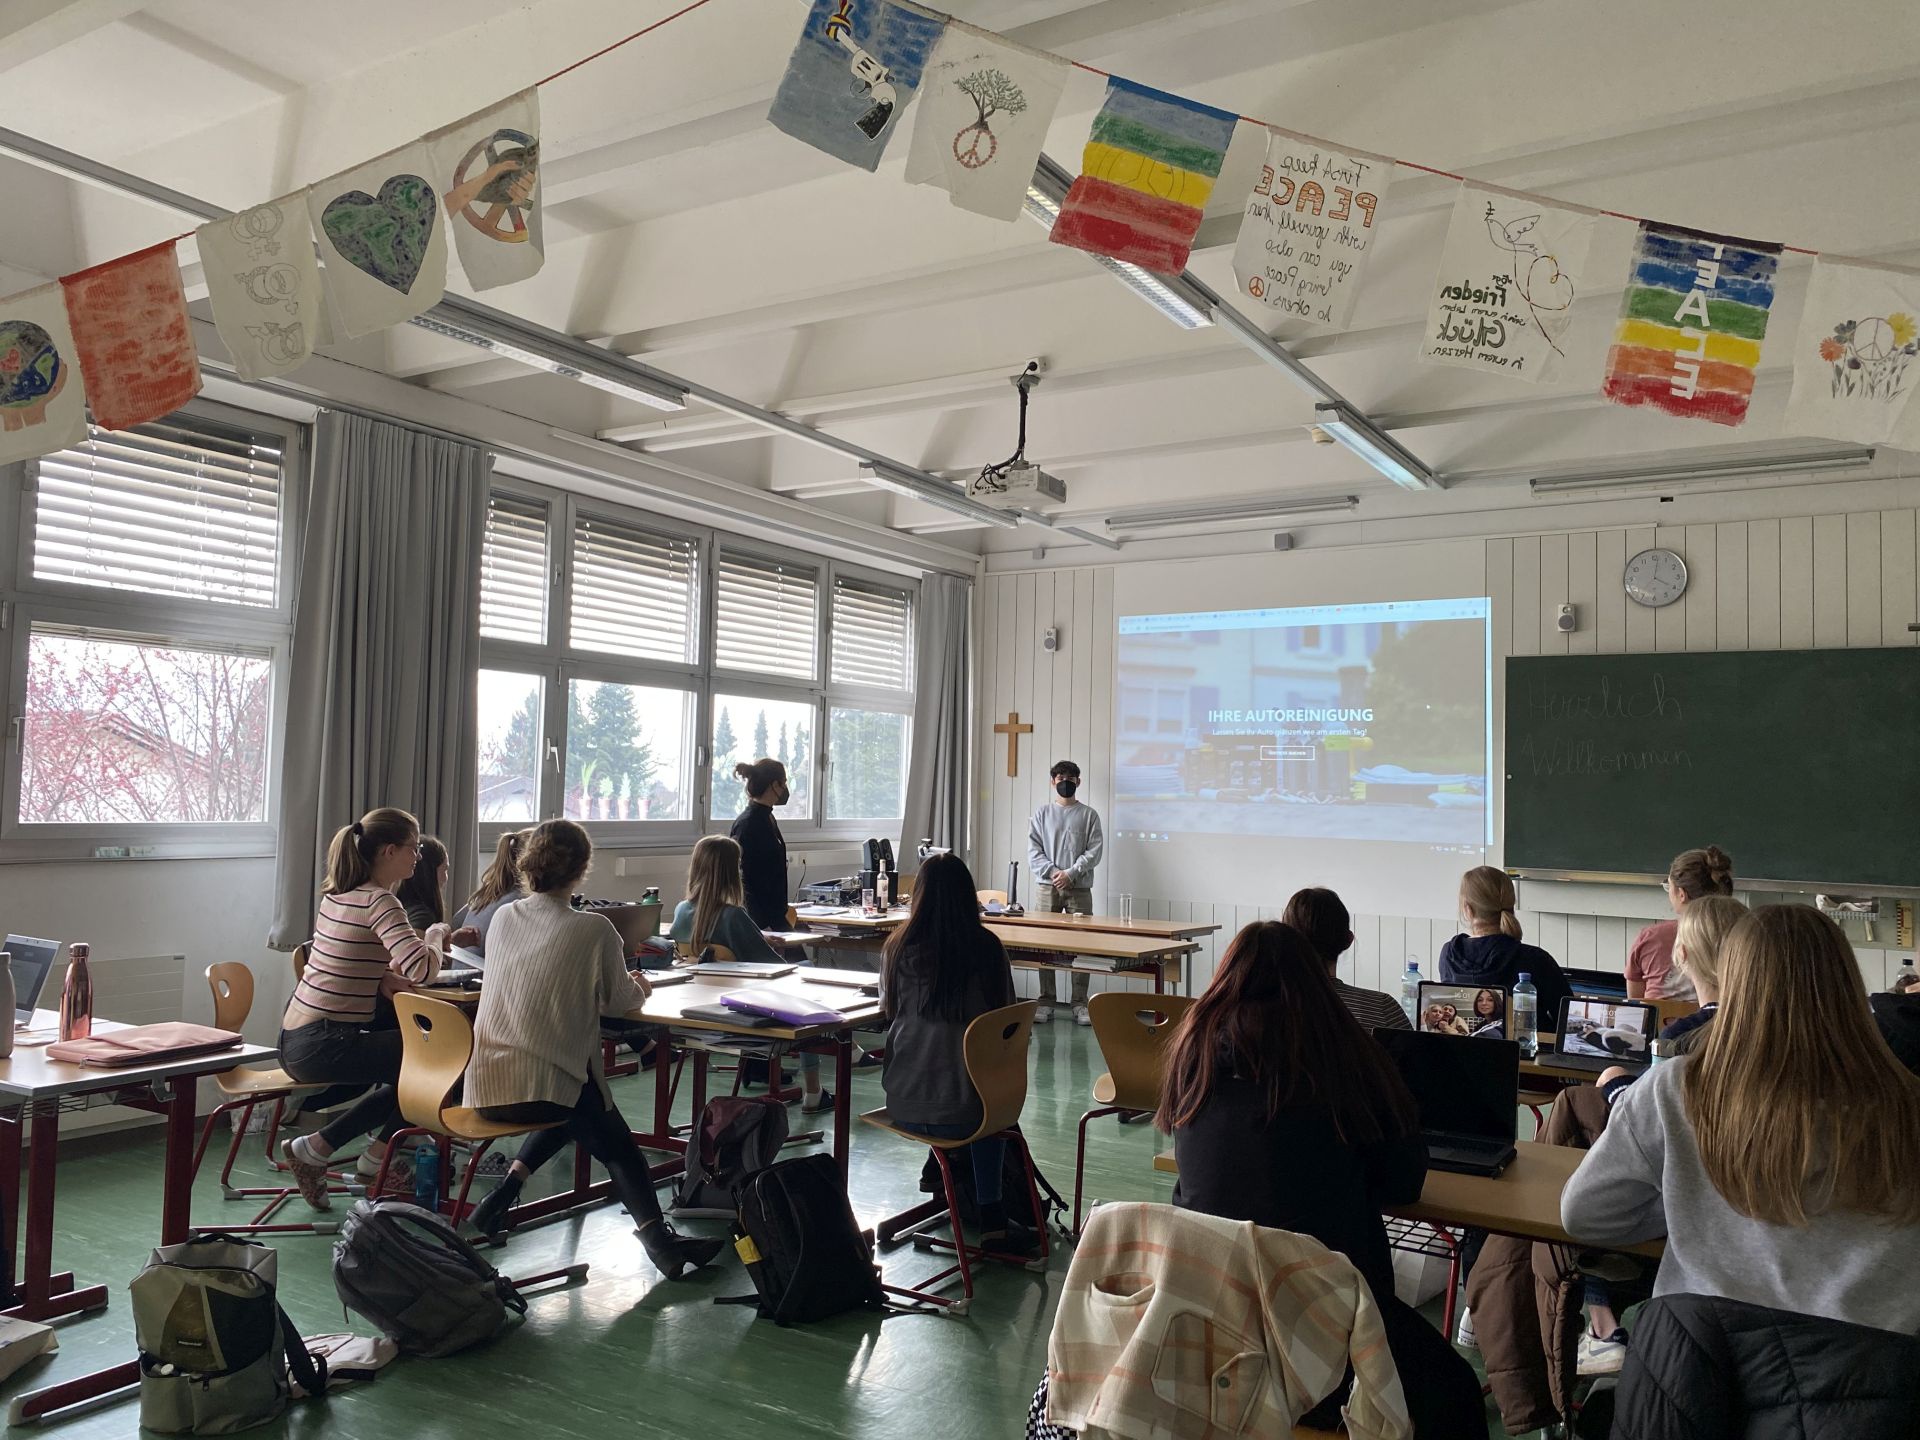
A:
[1467,1094]
[32,963]
[1598,1031]
[1479,1011]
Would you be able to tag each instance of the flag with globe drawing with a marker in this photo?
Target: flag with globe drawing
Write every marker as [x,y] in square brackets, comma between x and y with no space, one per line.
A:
[1856,361]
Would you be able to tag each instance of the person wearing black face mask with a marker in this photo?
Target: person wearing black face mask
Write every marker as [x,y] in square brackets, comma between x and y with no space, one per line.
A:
[1064,844]
[763,850]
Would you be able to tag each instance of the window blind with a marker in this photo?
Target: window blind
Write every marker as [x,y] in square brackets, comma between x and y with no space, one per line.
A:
[633,591]
[513,569]
[180,507]
[872,636]
[765,617]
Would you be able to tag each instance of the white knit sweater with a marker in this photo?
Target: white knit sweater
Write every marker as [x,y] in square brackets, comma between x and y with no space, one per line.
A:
[552,972]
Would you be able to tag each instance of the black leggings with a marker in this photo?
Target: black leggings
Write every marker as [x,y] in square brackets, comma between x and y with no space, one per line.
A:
[333,1052]
[599,1126]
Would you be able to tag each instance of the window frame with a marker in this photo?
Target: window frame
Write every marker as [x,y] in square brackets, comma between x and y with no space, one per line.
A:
[148,618]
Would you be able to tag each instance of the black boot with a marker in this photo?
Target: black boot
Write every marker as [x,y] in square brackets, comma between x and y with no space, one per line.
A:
[675,1253]
[489,1217]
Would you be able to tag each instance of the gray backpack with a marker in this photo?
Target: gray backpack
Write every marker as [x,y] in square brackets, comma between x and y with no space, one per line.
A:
[426,1289]
[215,1346]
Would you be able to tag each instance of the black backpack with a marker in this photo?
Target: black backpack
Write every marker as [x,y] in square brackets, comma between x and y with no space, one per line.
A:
[1013,1190]
[409,1272]
[738,1137]
[803,1250]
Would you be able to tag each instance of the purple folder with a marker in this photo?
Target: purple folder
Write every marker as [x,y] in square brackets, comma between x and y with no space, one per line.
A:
[782,1005]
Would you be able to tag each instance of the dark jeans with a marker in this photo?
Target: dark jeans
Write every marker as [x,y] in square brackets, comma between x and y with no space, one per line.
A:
[334,1052]
[988,1156]
[599,1126]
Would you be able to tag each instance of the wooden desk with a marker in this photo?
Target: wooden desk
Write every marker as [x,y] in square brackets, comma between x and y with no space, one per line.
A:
[1032,920]
[1054,948]
[1525,1201]
[34,1087]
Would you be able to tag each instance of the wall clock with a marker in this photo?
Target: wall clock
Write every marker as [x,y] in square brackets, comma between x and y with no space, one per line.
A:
[1655,578]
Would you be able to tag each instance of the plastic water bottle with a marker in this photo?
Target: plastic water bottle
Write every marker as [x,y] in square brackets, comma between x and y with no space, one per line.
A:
[1410,993]
[1906,979]
[1526,1016]
[426,1176]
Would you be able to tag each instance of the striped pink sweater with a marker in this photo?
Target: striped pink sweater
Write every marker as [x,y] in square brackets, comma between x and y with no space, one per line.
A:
[357,937]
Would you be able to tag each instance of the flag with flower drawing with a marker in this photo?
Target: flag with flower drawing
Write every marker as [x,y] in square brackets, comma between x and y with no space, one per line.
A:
[1856,361]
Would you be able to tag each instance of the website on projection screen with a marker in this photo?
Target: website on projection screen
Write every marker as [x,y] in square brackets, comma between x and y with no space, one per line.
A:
[1347,743]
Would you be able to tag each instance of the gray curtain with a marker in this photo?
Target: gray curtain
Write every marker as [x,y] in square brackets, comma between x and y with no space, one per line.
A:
[386,644]
[937,771]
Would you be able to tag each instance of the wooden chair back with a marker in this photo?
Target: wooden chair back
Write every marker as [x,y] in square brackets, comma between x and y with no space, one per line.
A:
[1671,1010]
[1132,1031]
[991,897]
[232,986]
[436,1046]
[903,887]
[995,1047]
[793,918]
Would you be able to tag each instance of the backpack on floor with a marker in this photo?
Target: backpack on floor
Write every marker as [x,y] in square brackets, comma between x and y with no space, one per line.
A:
[406,1270]
[803,1250]
[215,1347]
[738,1137]
[1013,1190]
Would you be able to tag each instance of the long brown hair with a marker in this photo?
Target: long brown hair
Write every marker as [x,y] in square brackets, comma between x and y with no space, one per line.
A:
[713,883]
[1488,895]
[943,942]
[350,856]
[421,890]
[1706,871]
[1271,1016]
[503,875]
[1797,1104]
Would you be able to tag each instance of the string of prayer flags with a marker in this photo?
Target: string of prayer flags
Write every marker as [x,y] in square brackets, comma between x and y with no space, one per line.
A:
[1510,272]
[378,228]
[855,67]
[487,169]
[1856,360]
[985,104]
[43,402]
[133,337]
[1692,322]
[1309,228]
[264,284]
[1148,169]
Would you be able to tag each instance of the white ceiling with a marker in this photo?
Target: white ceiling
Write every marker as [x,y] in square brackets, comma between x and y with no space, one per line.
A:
[683,229]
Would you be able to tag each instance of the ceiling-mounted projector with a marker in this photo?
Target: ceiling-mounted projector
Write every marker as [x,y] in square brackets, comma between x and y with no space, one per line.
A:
[1016,483]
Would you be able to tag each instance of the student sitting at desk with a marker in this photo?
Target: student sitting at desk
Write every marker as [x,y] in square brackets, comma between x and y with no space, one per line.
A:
[1491,952]
[713,914]
[498,888]
[424,892]
[939,972]
[363,949]
[1781,1160]
[552,973]
[1321,916]
[1285,1113]
[1693,875]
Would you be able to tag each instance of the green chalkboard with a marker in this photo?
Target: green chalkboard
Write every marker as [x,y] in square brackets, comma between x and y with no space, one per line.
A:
[1804,765]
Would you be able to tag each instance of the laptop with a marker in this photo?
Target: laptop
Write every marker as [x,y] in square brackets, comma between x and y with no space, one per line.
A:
[32,963]
[1479,1011]
[1467,1094]
[1598,1031]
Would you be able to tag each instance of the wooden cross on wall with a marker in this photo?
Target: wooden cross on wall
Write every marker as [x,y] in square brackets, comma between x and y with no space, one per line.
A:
[1013,729]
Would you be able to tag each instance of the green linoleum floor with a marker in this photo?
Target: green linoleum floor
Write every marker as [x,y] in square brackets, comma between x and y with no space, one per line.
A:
[629,1353]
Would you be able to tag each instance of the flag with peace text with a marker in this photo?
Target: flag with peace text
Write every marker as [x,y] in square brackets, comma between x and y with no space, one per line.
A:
[1309,227]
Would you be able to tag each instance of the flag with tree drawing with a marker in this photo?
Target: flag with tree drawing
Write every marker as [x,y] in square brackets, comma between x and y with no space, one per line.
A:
[985,104]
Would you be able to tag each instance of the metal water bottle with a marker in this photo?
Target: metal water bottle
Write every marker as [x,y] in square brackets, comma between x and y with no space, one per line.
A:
[426,1176]
[76,995]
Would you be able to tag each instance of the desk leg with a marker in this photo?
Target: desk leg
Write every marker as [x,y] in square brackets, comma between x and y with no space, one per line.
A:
[843,1100]
[10,1154]
[176,1196]
[1160,978]
[48,1296]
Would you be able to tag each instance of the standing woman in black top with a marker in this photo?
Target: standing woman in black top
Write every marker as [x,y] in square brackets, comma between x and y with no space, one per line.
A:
[763,850]
[1286,1113]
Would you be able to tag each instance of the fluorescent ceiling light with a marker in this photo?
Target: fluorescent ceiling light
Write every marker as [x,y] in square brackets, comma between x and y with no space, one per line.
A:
[539,348]
[1375,446]
[1170,295]
[1701,475]
[1266,507]
[939,493]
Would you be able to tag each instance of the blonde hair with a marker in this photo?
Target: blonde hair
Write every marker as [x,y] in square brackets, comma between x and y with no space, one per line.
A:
[1704,926]
[503,875]
[556,855]
[1488,895]
[713,883]
[350,856]
[1798,1106]
[1707,871]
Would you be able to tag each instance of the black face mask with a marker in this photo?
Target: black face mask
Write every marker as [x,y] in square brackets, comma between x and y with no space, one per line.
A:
[1065,788]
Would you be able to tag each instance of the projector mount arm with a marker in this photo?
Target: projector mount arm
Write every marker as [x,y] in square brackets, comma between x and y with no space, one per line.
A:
[993,477]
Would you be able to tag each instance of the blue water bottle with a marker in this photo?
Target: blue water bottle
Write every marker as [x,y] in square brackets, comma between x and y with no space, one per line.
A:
[1526,1016]
[426,1176]
[1410,993]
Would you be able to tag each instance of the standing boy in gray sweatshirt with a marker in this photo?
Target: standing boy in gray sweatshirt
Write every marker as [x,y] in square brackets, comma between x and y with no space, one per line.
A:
[1064,844]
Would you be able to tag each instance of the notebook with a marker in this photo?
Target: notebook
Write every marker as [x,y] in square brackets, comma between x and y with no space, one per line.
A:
[1475,1010]
[1468,1097]
[1596,1032]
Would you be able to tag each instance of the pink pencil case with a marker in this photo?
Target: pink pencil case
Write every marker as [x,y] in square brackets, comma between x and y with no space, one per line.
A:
[781,1005]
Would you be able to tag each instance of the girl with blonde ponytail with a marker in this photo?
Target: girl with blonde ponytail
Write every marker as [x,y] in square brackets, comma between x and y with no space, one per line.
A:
[498,888]
[1491,952]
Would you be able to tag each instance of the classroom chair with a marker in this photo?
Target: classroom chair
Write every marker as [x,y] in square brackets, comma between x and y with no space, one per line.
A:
[1132,1032]
[991,897]
[995,1048]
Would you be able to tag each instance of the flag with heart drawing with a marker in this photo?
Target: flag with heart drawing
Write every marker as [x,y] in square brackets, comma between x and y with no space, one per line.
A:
[385,251]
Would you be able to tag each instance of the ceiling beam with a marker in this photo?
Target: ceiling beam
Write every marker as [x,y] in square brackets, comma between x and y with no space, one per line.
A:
[32,28]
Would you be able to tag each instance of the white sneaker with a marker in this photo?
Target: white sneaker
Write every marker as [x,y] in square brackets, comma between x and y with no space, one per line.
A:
[1463,1336]
[1602,1357]
[1043,1015]
[1082,1016]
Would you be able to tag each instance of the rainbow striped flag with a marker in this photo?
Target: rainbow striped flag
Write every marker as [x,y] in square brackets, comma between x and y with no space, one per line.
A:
[1695,312]
[1149,167]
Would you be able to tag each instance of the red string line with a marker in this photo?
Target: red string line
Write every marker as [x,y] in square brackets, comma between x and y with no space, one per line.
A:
[668,20]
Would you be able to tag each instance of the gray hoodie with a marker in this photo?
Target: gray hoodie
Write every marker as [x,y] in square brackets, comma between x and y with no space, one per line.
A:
[1065,837]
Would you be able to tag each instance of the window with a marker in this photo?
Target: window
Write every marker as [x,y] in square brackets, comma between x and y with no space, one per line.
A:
[747,727]
[872,636]
[867,774]
[149,611]
[512,729]
[627,752]
[513,570]
[633,591]
[764,617]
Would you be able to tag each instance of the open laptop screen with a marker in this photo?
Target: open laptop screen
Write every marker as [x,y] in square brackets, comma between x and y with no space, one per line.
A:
[1478,1010]
[1606,1029]
[32,963]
